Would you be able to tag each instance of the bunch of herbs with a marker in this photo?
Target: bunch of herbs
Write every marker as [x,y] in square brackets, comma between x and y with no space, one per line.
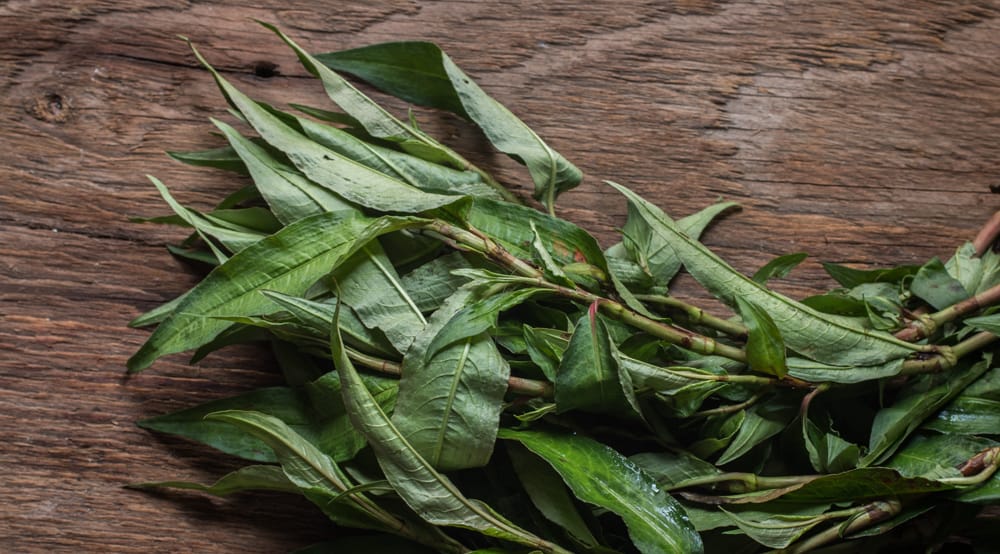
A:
[469,374]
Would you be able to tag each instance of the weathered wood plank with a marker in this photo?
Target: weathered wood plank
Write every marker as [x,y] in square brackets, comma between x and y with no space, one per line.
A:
[859,131]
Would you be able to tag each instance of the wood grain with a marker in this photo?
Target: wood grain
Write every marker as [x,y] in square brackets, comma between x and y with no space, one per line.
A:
[860,131]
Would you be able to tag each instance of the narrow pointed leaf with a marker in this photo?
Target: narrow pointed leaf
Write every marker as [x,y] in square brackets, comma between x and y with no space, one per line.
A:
[850,277]
[923,396]
[420,72]
[317,316]
[647,248]
[249,478]
[220,158]
[762,422]
[589,377]
[376,121]
[599,475]
[289,194]
[233,238]
[778,267]
[450,401]
[352,181]
[289,261]
[370,285]
[813,334]
[430,494]
[314,473]
[765,347]
[548,493]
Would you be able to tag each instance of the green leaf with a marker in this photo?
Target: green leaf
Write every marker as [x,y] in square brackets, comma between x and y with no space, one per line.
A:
[515,228]
[314,318]
[990,323]
[548,493]
[249,478]
[420,173]
[599,475]
[220,158]
[450,401]
[350,180]
[369,284]
[849,277]
[673,469]
[420,72]
[288,261]
[816,372]
[589,377]
[828,453]
[290,195]
[968,416]
[230,236]
[937,456]
[936,286]
[813,334]
[545,347]
[923,396]
[765,347]
[976,273]
[717,434]
[316,474]
[778,267]
[376,121]
[479,316]
[430,284]
[157,314]
[775,530]
[860,485]
[648,248]
[762,422]
[430,494]
[279,402]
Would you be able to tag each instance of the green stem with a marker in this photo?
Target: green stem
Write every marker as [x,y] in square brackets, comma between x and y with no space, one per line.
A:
[867,516]
[738,482]
[517,385]
[695,314]
[925,326]
[730,408]
[477,242]
[978,469]
[948,356]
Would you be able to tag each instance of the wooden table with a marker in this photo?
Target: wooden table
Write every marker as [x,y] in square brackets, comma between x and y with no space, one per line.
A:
[863,132]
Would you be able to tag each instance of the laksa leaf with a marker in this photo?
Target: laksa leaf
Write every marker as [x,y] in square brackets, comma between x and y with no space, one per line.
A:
[288,261]
[421,73]
[601,476]
[429,493]
[818,336]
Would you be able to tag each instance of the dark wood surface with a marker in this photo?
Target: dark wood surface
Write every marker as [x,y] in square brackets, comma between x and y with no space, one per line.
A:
[862,132]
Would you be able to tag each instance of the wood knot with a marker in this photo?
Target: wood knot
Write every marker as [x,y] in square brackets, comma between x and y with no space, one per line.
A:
[50,107]
[265,69]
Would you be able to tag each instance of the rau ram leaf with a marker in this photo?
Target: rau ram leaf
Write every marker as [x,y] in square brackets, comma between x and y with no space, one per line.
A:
[450,401]
[589,377]
[288,261]
[813,334]
[651,253]
[322,480]
[376,121]
[430,494]
[421,73]
[597,474]
[921,397]
[368,281]
[351,180]
[249,478]
[765,347]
